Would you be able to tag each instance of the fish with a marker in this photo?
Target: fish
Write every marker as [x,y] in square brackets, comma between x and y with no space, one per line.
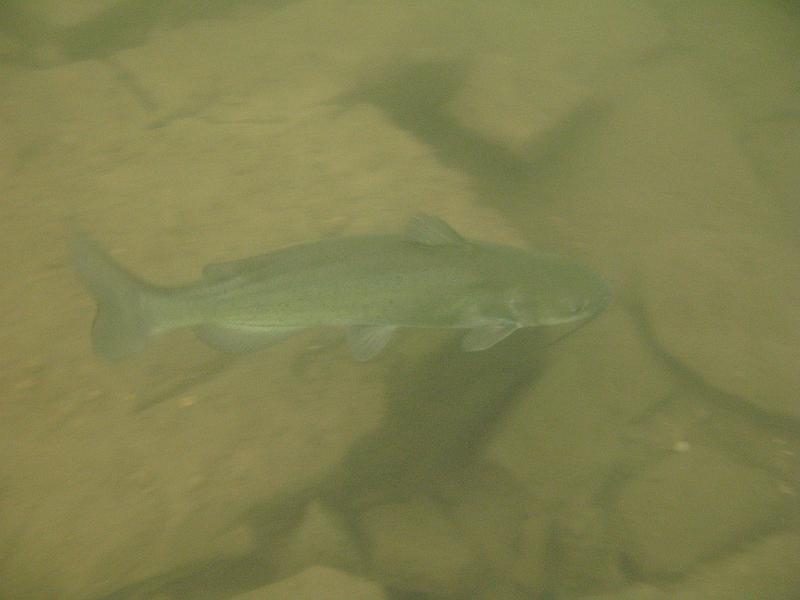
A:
[428,276]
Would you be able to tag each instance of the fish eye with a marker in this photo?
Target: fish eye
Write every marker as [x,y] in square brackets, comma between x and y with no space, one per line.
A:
[580,306]
[571,306]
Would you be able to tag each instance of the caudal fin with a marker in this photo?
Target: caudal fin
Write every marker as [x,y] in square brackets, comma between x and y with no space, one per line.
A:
[120,327]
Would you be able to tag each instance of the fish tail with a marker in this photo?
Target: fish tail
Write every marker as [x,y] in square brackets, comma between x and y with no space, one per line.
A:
[121,326]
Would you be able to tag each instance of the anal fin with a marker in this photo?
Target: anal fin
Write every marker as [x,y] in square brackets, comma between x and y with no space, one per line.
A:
[485,337]
[367,342]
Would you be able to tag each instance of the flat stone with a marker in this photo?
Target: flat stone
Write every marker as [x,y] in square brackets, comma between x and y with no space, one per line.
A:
[504,526]
[597,381]
[662,158]
[67,14]
[415,546]
[727,306]
[532,72]
[773,144]
[765,569]
[512,101]
[588,553]
[321,538]
[297,56]
[634,592]
[316,583]
[745,51]
[691,507]
[129,497]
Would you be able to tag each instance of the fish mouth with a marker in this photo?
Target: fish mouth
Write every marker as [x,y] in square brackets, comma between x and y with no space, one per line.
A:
[598,307]
[605,299]
[584,311]
[589,310]
[574,318]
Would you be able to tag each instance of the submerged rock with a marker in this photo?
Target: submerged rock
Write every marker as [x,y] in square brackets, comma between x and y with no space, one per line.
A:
[727,306]
[692,507]
[416,547]
[315,583]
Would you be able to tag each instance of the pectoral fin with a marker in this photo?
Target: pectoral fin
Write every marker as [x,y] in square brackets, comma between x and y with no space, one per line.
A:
[431,231]
[367,342]
[240,339]
[482,338]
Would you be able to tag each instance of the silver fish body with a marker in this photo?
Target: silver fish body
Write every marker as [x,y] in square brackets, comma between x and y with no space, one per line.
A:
[428,277]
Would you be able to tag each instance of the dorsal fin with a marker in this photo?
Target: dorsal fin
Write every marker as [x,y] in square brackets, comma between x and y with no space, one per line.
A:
[431,231]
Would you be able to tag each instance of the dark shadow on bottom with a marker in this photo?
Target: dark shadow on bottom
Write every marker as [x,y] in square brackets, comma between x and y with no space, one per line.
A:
[442,410]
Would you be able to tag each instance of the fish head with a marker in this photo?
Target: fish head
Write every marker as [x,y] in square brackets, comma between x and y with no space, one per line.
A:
[558,290]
